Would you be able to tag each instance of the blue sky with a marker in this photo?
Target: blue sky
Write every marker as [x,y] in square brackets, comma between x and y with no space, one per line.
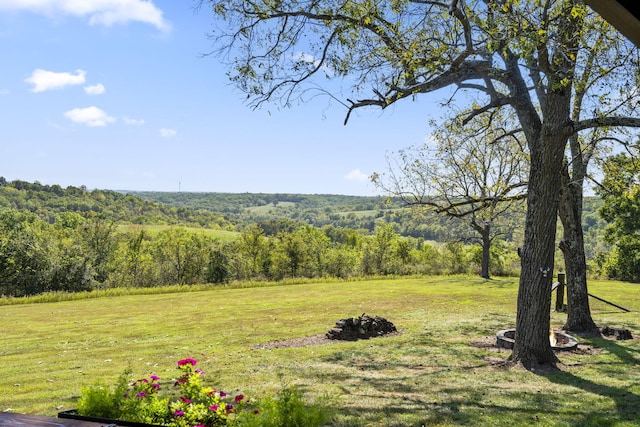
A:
[115,94]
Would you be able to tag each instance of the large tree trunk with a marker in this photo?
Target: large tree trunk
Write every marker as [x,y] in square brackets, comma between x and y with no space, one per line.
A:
[572,246]
[532,346]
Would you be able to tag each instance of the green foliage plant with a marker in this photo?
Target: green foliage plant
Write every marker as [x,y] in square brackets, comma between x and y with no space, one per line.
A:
[143,401]
[288,409]
[102,401]
[196,405]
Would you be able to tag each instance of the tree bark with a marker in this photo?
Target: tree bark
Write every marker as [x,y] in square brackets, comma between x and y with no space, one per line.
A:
[572,246]
[486,251]
[546,147]
[532,346]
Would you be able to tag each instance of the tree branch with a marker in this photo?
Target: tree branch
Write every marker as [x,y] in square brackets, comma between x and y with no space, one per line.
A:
[611,121]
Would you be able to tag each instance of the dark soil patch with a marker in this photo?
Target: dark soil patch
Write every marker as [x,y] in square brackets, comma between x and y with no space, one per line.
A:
[363,327]
[320,339]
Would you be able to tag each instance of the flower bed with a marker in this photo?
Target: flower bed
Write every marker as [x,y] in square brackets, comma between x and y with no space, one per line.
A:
[144,403]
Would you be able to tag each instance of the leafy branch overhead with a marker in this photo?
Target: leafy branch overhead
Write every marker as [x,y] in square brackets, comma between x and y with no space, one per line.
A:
[379,52]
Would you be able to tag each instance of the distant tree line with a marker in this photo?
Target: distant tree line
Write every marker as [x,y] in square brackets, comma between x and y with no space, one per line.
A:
[47,201]
[360,213]
[72,239]
[364,214]
[78,253]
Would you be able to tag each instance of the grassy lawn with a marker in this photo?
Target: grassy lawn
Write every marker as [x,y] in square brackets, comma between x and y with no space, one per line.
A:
[442,369]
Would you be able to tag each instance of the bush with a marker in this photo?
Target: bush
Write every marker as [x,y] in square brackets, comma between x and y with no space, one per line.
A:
[288,409]
[103,402]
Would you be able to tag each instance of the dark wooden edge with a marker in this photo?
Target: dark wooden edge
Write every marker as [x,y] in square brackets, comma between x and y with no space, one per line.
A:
[10,419]
[73,414]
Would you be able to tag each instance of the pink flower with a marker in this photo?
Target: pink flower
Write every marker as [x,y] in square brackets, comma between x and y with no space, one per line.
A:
[185,400]
[187,361]
[222,393]
[142,394]
[178,413]
[154,377]
[214,407]
[238,398]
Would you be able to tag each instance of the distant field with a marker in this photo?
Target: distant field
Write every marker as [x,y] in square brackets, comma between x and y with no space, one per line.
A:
[361,214]
[271,207]
[223,235]
[442,369]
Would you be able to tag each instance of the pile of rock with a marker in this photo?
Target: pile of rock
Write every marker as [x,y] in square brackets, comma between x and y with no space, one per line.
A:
[363,327]
[619,333]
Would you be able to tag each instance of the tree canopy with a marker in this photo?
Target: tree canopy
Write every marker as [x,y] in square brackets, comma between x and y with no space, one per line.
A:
[620,190]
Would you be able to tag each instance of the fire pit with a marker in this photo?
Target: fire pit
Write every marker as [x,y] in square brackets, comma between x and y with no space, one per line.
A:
[558,340]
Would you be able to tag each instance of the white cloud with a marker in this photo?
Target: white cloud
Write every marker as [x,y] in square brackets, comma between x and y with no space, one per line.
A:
[130,121]
[168,133]
[90,116]
[99,12]
[46,80]
[357,175]
[4,91]
[94,89]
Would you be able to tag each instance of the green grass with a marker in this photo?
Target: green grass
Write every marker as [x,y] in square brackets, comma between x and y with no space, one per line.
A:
[439,371]
[361,214]
[223,235]
[270,208]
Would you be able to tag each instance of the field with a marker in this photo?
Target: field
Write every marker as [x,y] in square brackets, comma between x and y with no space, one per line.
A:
[222,235]
[441,369]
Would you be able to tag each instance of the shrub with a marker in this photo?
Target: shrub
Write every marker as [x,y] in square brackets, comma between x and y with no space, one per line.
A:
[288,409]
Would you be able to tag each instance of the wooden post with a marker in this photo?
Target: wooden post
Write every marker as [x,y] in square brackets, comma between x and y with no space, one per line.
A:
[560,292]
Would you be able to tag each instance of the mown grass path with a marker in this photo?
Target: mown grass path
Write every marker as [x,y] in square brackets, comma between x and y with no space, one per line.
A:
[441,370]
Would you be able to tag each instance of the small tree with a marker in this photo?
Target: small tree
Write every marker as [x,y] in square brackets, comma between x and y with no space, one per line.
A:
[253,252]
[217,267]
[182,256]
[473,174]
[133,263]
